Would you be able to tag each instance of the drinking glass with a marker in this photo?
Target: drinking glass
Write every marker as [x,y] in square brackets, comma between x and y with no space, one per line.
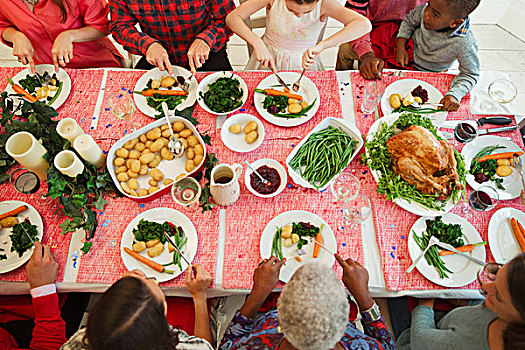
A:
[187,192]
[371,97]
[27,182]
[484,198]
[345,186]
[466,130]
[501,91]
[356,210]
[122,105]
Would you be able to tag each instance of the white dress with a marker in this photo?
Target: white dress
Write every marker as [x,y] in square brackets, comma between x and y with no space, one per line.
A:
[288,37]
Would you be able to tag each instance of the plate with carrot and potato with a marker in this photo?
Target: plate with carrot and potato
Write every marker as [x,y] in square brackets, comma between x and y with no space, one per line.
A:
[285,107]
[145,247]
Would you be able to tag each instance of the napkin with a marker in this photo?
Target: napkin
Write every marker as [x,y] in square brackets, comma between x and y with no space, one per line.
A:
[479,95]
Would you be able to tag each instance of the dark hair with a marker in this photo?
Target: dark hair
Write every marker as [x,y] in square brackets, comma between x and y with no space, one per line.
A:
[514,335]
[64,7]
[128,316]
[462,8]
[302,2]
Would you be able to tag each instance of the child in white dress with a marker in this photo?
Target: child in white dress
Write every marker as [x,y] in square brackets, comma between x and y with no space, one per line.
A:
[292,30]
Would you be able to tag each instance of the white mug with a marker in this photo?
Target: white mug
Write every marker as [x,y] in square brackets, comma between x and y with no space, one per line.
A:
[27,151]
[224,186]
[68,163]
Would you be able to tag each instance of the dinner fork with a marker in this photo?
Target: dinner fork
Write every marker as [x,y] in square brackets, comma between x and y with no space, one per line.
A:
[518,165]
[297,84]
[432,242]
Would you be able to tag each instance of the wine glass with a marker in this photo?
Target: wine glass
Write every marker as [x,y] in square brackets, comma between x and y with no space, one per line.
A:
[27,182]
[484,198]
[356,210]
[187,192]
[501,91]
[466,130]
[345,186]
[122,106]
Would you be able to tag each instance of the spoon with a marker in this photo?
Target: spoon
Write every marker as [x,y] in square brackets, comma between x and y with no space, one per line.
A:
[264,181]
[174,145]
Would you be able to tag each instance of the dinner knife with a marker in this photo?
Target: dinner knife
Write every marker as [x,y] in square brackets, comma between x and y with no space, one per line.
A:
[495,130]
[452,249]
[176,248]
[481,121]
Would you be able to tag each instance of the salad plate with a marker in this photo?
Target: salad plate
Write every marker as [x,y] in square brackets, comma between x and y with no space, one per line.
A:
[503,244]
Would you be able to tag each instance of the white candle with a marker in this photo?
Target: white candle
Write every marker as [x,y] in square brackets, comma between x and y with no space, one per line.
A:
[68,163]
[27,151]
[89,150]
[69,129]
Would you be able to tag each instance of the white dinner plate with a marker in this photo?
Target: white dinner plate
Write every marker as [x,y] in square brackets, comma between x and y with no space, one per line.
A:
[404,87]
[503,243]
[210,79]
[412,207]
[464,271]
[307,89]
[40,69]
[292,265]
[13,260]
[512,183]
[160,215]
[236,142]
[156,73]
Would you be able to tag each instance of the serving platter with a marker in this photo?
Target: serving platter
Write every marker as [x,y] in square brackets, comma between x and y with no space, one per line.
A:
[503,244]
[464,270]
[307,89]
[160,215]
[512,183]
[157,74]
[404,87]
[292,265]
[13,261]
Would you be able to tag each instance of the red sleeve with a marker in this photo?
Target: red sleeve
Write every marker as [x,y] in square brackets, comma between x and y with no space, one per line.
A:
[95,14]
[50,330]
[216,35]
[363,44]
[4,24]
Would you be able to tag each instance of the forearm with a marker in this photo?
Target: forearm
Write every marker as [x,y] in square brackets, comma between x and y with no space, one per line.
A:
[9,34]
[237,25]
[425,335]
[202,319]
[50,329]
[401,44]
[467,77]
[84,34]
[352,31]
[380,332]
[253,303]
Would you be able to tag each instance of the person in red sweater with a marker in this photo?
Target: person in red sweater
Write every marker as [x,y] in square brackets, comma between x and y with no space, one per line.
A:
[50,330]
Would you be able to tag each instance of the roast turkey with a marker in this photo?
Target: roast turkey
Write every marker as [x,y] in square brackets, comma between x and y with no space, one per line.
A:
[424,161]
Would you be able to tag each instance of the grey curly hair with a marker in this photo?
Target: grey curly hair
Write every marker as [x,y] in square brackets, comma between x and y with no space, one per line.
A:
[313,308]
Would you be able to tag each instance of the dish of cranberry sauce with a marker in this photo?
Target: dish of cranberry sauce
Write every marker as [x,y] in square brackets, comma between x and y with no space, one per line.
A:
[269,174]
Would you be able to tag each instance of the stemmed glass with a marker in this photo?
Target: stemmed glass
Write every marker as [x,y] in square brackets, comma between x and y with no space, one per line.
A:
[186,192]
[466,130]
[122,106]
[484,198]
[355,206]
[356,210]
[501,91]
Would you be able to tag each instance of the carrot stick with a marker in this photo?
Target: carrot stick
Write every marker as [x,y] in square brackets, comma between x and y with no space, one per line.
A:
[463,249]
[155,266]
[151,92]
[19,90]
[503,155]
[317,247]
[298,258]
[274,92]
[519,235]
[13,212]
[522,231]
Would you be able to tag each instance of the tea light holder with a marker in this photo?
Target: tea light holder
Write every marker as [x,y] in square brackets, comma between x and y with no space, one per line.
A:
[88,149]
[68,163]
[69,129]
[27,151]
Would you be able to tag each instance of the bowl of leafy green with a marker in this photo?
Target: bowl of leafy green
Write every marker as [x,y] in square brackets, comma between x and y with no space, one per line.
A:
[222,93]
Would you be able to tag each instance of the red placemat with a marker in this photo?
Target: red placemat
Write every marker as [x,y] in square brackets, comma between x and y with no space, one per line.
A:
[393,223]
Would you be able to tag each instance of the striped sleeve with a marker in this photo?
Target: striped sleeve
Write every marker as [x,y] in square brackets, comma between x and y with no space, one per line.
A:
[359,6]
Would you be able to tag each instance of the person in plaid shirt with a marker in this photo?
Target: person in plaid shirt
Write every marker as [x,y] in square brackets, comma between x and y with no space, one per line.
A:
[191,34]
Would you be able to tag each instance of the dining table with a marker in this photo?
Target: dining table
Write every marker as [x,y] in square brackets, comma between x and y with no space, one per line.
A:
[229,236]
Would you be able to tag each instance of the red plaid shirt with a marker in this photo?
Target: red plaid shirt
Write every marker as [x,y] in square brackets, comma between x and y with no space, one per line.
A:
[175,24]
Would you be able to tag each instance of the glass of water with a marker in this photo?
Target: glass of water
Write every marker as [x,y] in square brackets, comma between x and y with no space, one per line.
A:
[356,210]
[186,193]
[371,97]
[501,91]
[345,186]
[122,105]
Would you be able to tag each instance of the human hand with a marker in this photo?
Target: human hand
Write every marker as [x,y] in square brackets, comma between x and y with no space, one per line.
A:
[310,55]
[355,278]
[62,51]
[450,103]
[264,56]
[402,57]
[370,66]
[266,276]
[198,54]
[23,49]
[158,56]
[198,283]
[428,302]
[522,197]
[42,268]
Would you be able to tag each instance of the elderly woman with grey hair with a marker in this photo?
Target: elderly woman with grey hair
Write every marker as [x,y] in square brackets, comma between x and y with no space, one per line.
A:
[312,311]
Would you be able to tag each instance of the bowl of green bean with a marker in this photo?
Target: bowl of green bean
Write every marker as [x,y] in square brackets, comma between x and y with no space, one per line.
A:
[324,153]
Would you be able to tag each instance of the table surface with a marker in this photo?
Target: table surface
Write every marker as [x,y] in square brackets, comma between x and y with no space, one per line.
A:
[372,259]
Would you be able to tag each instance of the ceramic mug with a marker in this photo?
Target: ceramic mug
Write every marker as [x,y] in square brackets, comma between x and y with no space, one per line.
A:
[224,187]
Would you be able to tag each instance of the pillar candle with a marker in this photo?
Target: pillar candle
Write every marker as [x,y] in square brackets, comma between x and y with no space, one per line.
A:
[88,149]
[68,163]
[27,151]
[69,129]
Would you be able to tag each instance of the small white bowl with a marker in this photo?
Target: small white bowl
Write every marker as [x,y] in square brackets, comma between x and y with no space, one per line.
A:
[236,142]
[203,87]
[272,164]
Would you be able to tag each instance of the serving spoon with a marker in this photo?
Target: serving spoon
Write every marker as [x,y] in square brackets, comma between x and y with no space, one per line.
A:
[264,181]
[174,145]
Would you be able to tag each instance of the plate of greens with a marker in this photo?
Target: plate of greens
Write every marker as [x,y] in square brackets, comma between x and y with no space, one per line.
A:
[488,160]
[297,229]
[378,159]
[18,228]
[438,266]
[284,108]
[160,81]
[222,93]
[144,236]
[52,88]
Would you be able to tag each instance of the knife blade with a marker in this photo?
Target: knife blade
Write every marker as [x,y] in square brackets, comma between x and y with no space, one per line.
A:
[495,130]
[281,81]
[452,249]
[176,248]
